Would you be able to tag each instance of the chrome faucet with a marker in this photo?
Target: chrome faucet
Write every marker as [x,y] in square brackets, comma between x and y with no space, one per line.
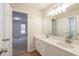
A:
[68,38]
[48,35]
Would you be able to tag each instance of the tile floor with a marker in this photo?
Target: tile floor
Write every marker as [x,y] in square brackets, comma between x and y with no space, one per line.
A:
[25,53]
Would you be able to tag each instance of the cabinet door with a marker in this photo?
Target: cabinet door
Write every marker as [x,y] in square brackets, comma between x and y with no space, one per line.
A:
[51,51]
[41,47]
[37,45]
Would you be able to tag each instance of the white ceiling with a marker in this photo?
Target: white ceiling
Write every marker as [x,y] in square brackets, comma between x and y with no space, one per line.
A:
[40,6]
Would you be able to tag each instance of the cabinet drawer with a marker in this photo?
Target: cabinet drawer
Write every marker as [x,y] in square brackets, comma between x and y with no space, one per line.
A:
[55,51]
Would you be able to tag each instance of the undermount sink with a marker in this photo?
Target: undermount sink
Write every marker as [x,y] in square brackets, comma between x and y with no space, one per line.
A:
[65,45]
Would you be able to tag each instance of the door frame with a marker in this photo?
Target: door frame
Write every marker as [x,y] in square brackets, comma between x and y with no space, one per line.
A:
[27,27]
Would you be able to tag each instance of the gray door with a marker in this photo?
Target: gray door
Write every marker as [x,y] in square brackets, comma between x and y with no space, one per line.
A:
[19,32]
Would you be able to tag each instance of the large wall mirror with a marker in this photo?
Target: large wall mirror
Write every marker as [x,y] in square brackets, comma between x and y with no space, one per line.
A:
[62,25]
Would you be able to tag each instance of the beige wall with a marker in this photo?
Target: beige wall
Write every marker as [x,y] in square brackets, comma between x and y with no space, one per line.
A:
[1,25]
[34,23]
[47,25]
[8,28]
[47,21]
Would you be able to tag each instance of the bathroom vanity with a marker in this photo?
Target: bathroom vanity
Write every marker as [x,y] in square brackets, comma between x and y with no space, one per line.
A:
[60,34]
[55,46]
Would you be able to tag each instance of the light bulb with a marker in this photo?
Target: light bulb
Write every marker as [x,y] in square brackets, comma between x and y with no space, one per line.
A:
[64,10]
[55,12]
[59,10]
[52,14]
[49,13]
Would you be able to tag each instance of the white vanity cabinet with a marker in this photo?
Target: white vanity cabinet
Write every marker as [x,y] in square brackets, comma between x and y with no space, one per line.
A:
[40,47]
[46,49]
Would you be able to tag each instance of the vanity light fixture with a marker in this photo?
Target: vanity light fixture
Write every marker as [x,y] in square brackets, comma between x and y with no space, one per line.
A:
[60,9]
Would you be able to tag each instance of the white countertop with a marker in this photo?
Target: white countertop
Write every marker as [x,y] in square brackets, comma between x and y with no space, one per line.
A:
[53,40]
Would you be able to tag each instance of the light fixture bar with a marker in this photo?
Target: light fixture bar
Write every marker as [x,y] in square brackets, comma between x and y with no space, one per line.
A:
[60,9]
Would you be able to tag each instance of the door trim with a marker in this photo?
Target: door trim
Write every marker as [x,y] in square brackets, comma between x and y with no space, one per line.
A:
[27,26]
